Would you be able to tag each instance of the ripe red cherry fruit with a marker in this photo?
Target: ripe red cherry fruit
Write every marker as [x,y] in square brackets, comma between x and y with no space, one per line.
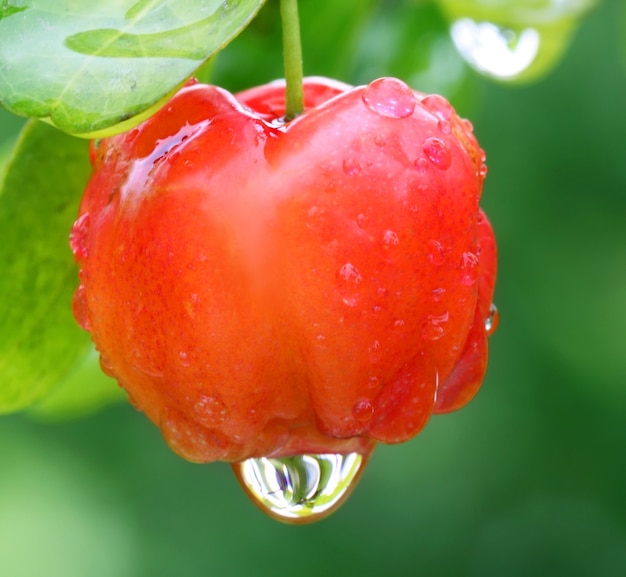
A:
[264,288]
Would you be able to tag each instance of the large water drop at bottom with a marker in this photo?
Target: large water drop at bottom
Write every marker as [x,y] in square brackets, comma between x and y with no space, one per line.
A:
[300,488]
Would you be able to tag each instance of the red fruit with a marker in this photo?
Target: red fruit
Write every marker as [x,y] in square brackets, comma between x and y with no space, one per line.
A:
[263,288]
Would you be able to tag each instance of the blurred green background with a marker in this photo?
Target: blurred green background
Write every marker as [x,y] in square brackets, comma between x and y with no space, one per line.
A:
[529,479]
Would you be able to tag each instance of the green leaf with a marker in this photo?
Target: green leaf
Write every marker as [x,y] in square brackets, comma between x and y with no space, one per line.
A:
[87,66]
[85,390]
[39,196]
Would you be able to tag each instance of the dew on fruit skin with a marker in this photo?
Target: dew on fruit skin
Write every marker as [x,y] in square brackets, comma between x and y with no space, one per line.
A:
[390,98]
[78,236]
[375,352]
[433,328]
[438,294]
[492,321]
[300,488]
[421,164]
[349,281]
[399,323]
[436,253]
[437,152]
[80,308]
[390,238]
[380,140]
[183,357]
[210,411]
[351,167]
[363,410]
[439,106]
[106,366]
[362,221]
[469,268]
[444,126]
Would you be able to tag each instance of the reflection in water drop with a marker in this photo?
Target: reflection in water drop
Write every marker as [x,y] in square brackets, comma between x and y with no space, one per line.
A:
[302,488]
[492,321]
[493,50]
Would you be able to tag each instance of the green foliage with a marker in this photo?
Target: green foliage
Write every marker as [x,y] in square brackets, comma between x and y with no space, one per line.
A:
[90,66]
[39,197]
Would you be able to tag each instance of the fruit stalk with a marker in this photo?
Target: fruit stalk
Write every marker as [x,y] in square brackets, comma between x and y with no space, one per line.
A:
[292,55]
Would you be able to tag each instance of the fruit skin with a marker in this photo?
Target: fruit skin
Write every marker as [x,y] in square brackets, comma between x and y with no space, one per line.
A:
[267,289]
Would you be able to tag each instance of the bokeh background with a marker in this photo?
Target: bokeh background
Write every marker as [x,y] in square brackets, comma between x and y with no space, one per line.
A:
[529,479]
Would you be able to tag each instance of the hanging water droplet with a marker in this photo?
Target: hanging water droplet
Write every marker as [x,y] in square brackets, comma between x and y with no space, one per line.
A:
[492,321]
[390,97]
[494,50]
[438,153]
[302,488]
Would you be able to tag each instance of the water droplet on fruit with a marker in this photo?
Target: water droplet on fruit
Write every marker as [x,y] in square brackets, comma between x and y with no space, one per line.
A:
[390,238]
[210,411]
[436,253]
[438,294]
[301,488]
[80,308]
[433,328]
[78,236]
[375,352]
[390,97]
[438,153]
[422,165]
[492,321]
[362,220]
[469,269]
[351,166]
[439,106]
[106,366]
[363,410]
[380,140]
[183,357]
[349,281]
[444,126]
[494,50]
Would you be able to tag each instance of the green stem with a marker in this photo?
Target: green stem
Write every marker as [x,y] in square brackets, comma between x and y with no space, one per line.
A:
[292,54]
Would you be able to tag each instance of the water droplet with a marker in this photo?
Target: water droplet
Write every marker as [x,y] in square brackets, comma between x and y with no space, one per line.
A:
[438,294]
[482,171]
[362,220]
[390,97]
[375,352]
[78,236]
[492,321]
[351,167]
[302,488]
[494,50]
[438,153]
[445,126]
[380,140]
[183,357]
[106,366]
[349,280]
[210,411]
[422,165]
[469,269]
[363,410]
[390,238]
[80,308]
[439,106]
[436,253]
[433,329]
[398,323]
